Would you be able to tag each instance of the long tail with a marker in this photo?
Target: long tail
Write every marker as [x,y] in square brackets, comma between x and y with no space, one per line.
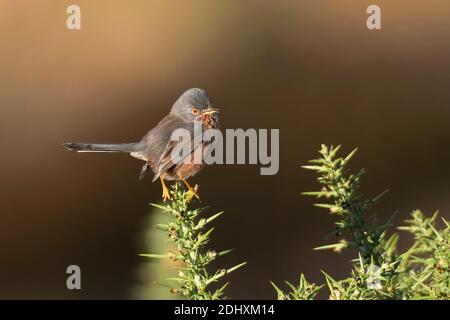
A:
[100,147]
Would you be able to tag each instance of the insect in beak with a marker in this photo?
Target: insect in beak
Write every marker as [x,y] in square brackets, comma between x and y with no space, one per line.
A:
[210,110]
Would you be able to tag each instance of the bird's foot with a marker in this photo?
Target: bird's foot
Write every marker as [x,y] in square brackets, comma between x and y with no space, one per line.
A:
[193,192]
[166,194]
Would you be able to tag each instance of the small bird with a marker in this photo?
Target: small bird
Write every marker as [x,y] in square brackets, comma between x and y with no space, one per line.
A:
[156,146]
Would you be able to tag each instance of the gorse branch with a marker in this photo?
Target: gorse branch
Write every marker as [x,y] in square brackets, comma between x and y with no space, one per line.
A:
[186,230]
[427,262]
[304,290]
[422,272]
[344,201]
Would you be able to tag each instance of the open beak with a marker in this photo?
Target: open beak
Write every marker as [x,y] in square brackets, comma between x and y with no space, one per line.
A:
[210,110]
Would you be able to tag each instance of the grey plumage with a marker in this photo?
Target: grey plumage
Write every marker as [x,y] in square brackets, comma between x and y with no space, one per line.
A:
[156,146]
[191,98]
[101,147]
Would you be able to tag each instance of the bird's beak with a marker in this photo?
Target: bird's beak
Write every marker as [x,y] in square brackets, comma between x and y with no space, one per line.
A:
[210,110]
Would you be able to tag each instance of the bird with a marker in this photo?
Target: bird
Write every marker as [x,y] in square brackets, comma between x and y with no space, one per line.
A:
[156,146]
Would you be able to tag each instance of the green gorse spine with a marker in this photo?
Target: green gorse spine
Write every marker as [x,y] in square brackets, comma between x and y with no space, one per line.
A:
[187,231]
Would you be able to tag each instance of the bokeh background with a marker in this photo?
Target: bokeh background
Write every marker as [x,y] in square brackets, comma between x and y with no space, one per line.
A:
[310,68]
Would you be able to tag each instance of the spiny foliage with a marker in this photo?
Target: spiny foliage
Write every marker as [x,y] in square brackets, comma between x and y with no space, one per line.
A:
[427,262]
[186,230]
[304,291]
[379,272]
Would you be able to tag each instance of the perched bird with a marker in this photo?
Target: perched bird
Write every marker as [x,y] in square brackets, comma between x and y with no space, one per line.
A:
[156,146]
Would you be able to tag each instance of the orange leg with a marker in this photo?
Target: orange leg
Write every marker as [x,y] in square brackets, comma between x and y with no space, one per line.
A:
[193,192]
[165,194]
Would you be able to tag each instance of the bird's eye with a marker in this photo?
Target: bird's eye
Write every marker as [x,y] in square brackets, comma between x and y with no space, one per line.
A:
[194,111]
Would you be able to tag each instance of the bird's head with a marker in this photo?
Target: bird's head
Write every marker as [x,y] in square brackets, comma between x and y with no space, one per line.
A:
[193,104]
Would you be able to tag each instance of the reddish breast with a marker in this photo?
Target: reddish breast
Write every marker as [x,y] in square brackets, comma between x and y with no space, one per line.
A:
[210,121]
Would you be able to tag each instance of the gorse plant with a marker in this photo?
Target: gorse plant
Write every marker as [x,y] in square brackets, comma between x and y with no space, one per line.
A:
[428,260]
[186,230]
[378,272]
[365,235]
[304,291]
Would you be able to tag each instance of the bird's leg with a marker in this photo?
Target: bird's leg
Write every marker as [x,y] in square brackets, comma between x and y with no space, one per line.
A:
[165,194]
[193,192]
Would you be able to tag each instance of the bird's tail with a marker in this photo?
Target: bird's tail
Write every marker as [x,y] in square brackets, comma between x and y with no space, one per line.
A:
[100,147]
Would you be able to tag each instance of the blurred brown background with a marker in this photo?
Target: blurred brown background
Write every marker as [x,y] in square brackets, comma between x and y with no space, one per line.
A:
[310,68]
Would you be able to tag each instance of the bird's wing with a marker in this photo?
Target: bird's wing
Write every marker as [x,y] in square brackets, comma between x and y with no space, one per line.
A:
[165,161]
